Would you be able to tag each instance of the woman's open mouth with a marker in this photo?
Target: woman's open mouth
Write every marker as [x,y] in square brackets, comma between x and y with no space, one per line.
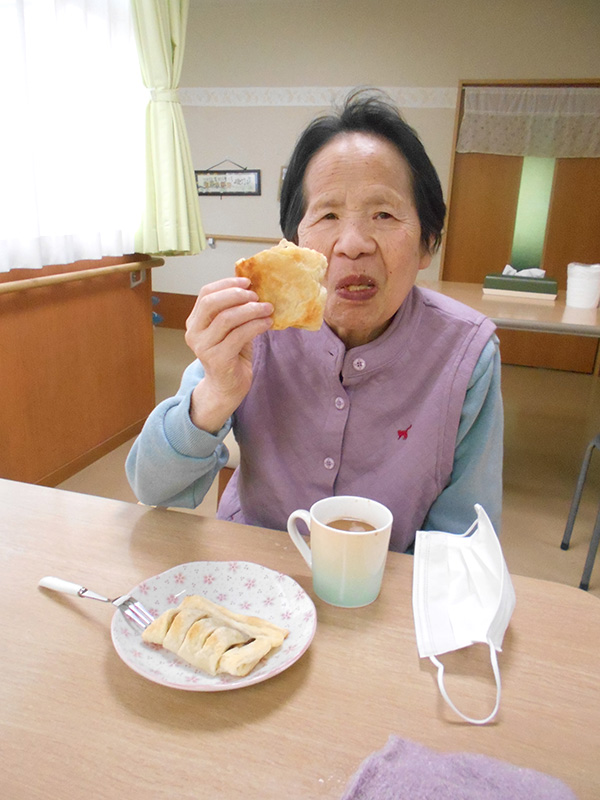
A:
[356,287]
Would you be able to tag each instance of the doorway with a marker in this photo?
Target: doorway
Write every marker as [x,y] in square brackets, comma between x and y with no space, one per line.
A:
[482,209]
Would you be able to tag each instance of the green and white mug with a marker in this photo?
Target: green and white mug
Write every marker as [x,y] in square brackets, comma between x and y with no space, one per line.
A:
[347,565]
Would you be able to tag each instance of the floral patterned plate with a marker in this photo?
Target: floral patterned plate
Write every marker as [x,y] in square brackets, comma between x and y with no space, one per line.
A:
[240,586]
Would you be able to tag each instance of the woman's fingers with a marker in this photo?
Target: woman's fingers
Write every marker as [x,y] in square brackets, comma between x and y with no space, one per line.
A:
[211,324]
[231,341]
[218,296]
[226,317]
[224,283]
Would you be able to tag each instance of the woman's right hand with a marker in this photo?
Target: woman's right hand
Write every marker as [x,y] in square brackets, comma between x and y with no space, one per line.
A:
[225,319]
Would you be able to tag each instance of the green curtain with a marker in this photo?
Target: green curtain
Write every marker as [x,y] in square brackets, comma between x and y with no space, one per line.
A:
[171,223]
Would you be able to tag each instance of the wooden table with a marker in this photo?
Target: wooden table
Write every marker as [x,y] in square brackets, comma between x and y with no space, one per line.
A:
[76,722]
[529,314]
[523,314]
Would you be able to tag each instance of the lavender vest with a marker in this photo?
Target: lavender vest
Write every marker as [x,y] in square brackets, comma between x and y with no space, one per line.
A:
[378,421]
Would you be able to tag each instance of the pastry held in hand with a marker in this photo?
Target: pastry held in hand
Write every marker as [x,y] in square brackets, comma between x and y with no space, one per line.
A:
[288,277]
[213,638]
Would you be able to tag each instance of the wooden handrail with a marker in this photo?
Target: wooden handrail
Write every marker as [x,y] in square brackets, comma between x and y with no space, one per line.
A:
[224,237]
[78,275]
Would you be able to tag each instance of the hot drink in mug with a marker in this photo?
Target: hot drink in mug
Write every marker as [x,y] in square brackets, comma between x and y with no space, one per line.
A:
[349,540]
[351,524]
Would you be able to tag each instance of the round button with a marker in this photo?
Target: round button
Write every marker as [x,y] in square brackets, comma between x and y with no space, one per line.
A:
[340,402]
[359,364]
[329,463]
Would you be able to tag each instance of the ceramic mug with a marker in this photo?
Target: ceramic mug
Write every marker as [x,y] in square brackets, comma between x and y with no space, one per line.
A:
[347,565]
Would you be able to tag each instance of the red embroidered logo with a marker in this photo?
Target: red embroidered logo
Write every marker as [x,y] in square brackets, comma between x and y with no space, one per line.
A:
[404,434]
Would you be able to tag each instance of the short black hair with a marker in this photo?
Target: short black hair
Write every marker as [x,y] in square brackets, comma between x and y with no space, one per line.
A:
[372,112]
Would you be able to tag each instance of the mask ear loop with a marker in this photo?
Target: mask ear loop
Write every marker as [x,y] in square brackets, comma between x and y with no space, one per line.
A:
[442,688]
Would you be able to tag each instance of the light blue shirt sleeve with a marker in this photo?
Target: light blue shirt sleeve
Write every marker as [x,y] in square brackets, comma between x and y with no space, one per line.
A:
[477,471]
[172,462]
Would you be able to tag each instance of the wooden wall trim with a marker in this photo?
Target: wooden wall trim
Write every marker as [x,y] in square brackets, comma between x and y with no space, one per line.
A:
[570,82]
[23,284]
[21,273]
[225,237]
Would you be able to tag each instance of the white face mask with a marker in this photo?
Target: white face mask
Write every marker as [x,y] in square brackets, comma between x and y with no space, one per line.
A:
[462,594]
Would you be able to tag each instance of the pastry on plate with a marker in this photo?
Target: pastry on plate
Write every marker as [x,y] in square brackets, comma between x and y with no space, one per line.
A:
[213,638]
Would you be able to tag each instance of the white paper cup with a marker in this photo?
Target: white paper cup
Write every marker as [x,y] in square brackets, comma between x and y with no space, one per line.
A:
[347,566]
[583,285]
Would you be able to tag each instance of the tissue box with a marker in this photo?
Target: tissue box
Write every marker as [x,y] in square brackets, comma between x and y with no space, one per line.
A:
[516,286]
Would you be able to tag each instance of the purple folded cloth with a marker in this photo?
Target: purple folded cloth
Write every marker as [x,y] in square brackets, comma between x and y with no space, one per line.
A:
[405,770]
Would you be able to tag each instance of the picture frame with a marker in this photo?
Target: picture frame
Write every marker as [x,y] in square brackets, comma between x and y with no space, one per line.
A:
[230,182]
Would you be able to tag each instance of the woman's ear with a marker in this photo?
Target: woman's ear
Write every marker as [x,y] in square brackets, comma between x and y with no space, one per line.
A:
[426,254]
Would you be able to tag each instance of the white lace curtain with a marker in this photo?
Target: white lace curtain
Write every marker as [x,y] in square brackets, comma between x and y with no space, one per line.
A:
[72,132]
[550,122]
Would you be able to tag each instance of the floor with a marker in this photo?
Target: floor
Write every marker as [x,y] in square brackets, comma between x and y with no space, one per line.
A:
[550,417]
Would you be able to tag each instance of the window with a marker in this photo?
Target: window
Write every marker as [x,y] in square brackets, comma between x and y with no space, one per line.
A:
[72,138]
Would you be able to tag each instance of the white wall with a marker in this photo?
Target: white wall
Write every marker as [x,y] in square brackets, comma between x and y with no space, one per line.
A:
[272,65]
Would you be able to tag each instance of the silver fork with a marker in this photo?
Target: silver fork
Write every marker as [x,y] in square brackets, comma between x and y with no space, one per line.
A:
[128,605]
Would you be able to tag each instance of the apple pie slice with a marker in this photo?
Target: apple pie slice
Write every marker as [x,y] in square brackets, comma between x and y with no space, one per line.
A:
[213,638]
[289,277]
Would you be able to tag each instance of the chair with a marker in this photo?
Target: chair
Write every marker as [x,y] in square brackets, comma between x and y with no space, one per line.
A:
[227,471]
[589,562]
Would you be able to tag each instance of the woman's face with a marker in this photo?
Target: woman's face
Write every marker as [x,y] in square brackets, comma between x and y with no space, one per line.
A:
[361,214]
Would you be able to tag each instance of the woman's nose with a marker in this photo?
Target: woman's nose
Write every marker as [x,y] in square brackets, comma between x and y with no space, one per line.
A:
[354,239]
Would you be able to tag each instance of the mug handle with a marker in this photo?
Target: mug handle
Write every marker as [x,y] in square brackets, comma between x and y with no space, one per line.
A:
[295,535]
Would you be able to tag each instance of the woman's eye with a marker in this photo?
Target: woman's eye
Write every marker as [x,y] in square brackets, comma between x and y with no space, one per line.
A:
[330,215]
[383,215]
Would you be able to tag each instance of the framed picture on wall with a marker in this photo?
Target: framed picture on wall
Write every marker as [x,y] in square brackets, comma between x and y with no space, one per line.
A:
[219,182]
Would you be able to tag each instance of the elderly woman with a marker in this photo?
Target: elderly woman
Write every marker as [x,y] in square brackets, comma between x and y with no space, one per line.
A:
[396,397]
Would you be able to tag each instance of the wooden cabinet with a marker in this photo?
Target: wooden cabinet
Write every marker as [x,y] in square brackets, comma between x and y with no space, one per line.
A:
[76,370]
[573,232]
[481,216]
